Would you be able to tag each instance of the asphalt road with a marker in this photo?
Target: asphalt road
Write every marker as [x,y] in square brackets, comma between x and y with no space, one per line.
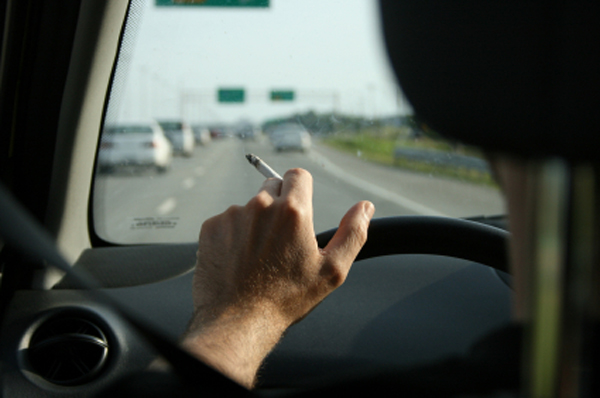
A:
[133,206]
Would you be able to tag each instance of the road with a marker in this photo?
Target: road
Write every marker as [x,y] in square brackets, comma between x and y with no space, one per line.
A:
[132,206]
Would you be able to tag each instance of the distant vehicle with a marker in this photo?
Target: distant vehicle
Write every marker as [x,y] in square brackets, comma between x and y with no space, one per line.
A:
[247,132]
[180,135]
[216,133]
[219,131]
[134,145]
[201,135]
[290,137]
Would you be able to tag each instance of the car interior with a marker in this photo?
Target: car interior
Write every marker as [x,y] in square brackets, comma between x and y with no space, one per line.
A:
[92,292]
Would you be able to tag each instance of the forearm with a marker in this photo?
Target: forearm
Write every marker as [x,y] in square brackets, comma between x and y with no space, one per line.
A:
[235,345]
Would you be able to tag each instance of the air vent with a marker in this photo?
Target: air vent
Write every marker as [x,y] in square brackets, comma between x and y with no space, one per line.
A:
[68,351]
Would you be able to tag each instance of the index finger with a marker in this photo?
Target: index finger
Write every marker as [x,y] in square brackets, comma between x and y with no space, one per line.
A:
[297,186]
[272,186]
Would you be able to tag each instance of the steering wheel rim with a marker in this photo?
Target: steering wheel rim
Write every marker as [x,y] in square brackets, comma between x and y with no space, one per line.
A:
[445,236]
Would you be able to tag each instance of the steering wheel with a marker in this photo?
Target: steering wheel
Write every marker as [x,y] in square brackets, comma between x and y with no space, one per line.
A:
[453,237]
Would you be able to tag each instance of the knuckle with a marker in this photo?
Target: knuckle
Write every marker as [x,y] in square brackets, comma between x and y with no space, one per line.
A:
[233,210]
[336,276]
[261,201]
[216,223]
[232,215]
[209,225]
[300,173]
[293,210]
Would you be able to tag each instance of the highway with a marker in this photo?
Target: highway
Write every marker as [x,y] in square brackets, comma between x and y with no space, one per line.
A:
[133,206]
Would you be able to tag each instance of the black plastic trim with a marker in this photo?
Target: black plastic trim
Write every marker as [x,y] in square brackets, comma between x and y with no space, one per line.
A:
[95,239]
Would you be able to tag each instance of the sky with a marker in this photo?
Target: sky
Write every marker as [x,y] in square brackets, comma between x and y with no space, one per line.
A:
[329,52]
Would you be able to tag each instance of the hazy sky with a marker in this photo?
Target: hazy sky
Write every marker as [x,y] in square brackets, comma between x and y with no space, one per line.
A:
[328,51]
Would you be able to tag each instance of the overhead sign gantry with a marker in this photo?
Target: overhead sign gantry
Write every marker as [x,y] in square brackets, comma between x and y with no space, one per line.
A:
[214,3]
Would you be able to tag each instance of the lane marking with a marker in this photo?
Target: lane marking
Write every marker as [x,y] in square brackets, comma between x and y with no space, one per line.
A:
[200,171]
[383,193]
[188,183]
[167,206]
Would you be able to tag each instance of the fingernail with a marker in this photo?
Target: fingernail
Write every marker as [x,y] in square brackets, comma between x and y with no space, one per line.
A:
[369,209]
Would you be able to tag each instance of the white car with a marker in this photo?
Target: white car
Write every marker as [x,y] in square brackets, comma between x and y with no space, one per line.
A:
[290,136]
[135,144]
[181,136]
[202,135]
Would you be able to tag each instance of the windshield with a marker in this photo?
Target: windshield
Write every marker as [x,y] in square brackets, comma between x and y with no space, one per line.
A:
[297,83]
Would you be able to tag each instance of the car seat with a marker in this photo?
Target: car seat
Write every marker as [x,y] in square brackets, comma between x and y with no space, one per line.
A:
[522,78]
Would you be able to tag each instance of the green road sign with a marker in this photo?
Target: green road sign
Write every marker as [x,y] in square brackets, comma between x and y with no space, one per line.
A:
[231,95]
[282,95]
[214,3]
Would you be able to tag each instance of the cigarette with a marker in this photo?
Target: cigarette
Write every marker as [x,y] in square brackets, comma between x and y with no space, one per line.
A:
[262,167]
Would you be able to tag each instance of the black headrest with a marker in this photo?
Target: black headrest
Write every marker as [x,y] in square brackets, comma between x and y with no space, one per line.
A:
[515,76]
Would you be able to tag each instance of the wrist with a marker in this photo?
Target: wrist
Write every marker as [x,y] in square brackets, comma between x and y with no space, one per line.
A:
[234,342]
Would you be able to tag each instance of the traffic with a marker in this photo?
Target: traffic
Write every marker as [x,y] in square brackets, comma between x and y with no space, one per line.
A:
[139,205]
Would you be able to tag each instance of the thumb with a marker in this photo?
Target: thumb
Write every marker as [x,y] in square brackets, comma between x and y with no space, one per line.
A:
[351,235]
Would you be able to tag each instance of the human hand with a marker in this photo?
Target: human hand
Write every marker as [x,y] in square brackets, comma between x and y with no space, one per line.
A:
[259,270]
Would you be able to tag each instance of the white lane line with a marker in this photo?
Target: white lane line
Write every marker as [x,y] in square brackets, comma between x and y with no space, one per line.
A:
[383,193]
[167,206]
[188,183]
[200,171]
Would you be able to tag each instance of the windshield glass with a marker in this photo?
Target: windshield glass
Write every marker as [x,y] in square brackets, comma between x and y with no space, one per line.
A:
[297,83]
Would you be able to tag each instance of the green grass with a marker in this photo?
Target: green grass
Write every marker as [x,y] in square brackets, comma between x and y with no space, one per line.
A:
[379,147]
[371,148]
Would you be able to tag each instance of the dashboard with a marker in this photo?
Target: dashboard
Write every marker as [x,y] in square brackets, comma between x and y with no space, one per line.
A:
[393,311]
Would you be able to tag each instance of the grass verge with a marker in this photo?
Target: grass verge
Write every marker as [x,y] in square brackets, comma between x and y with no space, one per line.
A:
[380,149]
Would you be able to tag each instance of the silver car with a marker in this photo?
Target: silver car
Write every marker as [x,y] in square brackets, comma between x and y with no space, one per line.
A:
[135,144]
[181,136]
[290,136]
